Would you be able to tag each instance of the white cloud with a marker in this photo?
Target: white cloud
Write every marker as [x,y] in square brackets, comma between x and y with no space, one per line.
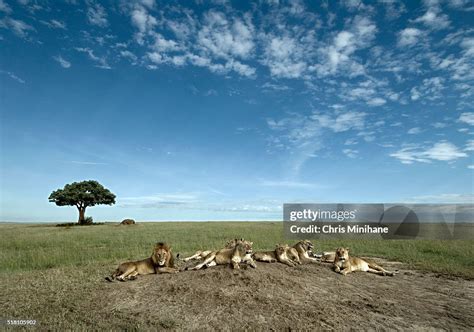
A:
[469,145]
[376,101]
[351,141]
[129,55]
[445,198]
[415,94]
[409,37]
[444,151]
[465,5]
[439,125]
[63,62]
[470,167]
[351,153]
[414,131]
[441,151]
[284,57]
[305,134]
[342,122]
[4,7]
[337,55]
[226,39]
[394,9]
[13,76]
[162,44]
[55,24]
[143,22]
[468,45]
[430,89]
[288,184]
[276,87]
[159,200]
[434,19]
[96,15]
[467,117]
[18,27]
[101,62]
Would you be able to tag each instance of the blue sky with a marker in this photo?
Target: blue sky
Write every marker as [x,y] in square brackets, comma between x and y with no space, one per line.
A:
[226,110]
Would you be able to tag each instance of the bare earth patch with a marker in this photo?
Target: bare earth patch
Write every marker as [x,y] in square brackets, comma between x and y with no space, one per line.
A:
[273,296]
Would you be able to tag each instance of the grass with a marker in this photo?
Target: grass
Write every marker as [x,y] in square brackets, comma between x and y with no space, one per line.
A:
[41,247]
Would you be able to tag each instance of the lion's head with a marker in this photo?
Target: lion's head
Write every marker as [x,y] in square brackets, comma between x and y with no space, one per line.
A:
[231,244]
[309,245]
[244,246]
[162,255]
[281,248]
[247,245]
[342,254]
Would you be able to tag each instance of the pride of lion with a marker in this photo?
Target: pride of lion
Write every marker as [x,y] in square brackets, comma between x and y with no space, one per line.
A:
[239,251]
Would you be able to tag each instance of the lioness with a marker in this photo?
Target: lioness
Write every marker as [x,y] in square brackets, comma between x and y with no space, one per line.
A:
[344,264]
[326,256]
[282,253]
[161,261]
[201,254]
[304,249]
[241,253]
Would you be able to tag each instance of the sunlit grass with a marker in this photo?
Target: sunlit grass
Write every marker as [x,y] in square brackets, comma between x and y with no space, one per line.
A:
[39,247]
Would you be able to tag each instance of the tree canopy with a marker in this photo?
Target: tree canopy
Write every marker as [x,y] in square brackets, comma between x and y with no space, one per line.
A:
[82,195]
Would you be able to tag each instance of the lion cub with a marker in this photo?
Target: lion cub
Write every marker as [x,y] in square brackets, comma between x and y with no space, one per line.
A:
[282,253]
[161,261]
[344,264]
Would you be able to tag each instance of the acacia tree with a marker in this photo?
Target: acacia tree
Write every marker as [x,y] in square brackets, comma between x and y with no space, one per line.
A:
[81,195]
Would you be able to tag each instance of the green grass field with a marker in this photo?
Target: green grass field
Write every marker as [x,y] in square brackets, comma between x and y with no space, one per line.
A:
[38,247]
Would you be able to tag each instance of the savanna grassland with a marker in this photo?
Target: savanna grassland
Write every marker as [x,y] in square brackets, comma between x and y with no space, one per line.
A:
[55,275]
[39,247]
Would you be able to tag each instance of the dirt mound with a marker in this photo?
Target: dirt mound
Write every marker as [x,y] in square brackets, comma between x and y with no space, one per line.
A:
[275,296]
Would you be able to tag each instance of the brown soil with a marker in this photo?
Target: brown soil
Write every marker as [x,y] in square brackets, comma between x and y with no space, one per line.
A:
[277,297]
[271,297]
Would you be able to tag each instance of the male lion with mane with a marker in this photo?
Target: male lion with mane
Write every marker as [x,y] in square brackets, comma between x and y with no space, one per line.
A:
[344,264]
[161,261]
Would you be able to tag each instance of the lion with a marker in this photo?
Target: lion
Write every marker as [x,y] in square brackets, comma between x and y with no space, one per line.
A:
[344,264]
[326,256]
[282,253]
[161,261]
[241,253]
[304,249]
[201,254]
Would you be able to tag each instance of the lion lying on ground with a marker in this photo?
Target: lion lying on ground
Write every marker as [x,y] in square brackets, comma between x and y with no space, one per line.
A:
[201,254]
[344,264]
[241,253]
[161,261]
[282,253]
[326,256]
[304,249]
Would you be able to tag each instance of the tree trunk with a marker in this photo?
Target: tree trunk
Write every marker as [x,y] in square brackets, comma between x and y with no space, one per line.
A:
[82,213]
